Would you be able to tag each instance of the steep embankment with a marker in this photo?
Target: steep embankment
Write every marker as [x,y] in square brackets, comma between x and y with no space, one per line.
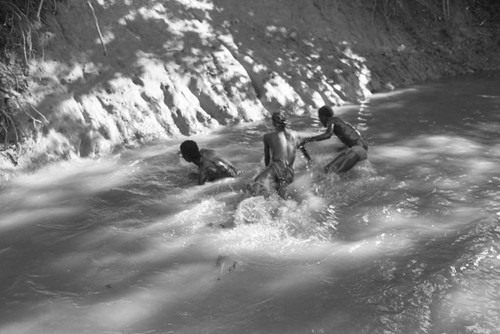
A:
[179,67]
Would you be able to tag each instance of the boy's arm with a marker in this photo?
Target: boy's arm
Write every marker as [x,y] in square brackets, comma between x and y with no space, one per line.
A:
[202,177]
[267,156]
[305,153]
[326,135]
[300,145]
[230,167]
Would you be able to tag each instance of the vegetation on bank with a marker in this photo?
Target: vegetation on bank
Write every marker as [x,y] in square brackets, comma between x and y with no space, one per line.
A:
[19,23]
[20,20]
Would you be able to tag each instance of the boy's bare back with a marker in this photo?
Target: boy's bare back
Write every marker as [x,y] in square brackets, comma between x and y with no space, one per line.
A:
[282,145]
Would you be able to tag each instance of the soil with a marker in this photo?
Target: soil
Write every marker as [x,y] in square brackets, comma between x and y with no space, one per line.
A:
[178,67]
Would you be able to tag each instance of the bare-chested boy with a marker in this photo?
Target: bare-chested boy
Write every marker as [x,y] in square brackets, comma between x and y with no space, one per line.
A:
[211,166]
[356,148]
[279,156]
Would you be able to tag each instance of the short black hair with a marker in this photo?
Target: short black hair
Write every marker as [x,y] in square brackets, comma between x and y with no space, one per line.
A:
[190,150]
[279,120]
[326,111]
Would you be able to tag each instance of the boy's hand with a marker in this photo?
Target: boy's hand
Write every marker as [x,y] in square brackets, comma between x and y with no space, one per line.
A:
[305,153]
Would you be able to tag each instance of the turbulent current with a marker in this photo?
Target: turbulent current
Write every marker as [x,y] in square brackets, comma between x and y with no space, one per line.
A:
[406,242]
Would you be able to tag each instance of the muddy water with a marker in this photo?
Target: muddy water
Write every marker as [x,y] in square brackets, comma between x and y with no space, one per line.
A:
[405,243]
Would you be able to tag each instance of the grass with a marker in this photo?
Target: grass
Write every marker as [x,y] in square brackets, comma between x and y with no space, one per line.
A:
[19,22]
[19,19]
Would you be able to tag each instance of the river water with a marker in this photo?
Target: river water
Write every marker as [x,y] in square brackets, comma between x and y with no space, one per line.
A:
[407,242]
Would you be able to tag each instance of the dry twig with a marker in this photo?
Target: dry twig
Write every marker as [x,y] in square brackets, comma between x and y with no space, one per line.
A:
[39,10]
[96,22]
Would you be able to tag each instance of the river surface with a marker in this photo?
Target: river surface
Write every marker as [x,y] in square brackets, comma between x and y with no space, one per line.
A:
[407,242]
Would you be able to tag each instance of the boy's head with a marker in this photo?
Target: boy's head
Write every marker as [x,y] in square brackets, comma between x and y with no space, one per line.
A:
[190,151]
[279,120]
[324,113]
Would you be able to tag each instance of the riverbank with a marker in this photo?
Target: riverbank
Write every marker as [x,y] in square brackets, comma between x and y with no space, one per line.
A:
[122,73]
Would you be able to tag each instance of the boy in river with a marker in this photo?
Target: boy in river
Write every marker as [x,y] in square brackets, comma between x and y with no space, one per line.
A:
[356,147]
[211,166]
[279,156]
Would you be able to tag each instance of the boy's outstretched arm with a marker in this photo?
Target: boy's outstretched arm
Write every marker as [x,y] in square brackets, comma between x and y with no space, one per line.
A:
[305,153]
[302,148]
[325,135]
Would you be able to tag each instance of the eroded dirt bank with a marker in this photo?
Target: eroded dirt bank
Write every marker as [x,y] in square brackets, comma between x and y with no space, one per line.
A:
[179,67]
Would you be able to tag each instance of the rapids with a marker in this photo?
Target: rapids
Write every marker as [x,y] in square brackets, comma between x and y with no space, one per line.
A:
[407,242]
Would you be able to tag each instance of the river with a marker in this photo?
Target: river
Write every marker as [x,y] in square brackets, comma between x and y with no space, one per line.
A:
[407,242]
